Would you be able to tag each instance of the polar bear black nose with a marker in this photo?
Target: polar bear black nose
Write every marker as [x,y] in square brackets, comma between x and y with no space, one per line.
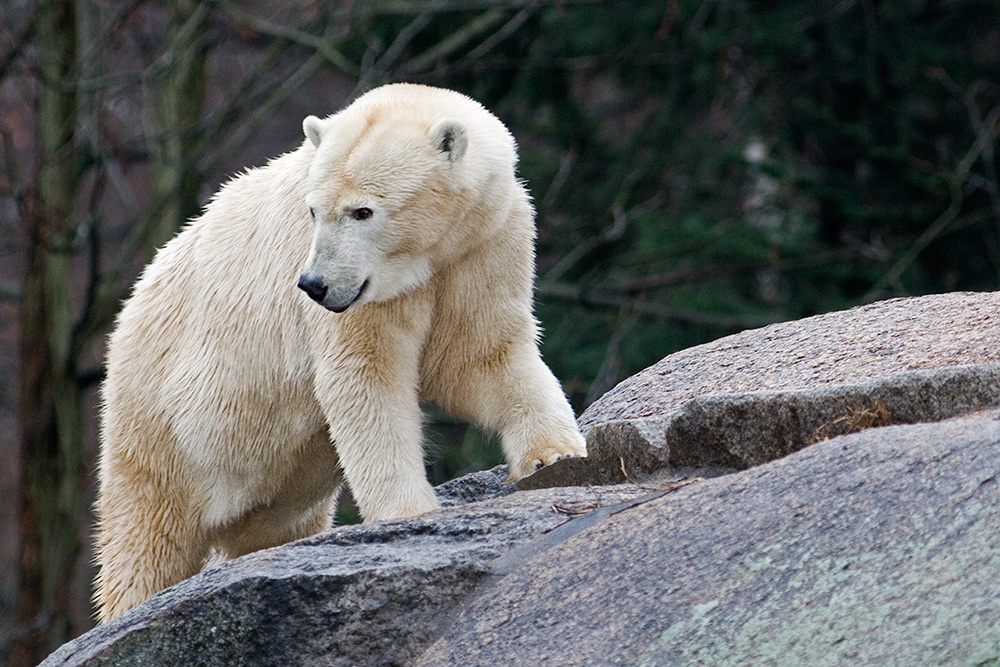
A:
[313,286]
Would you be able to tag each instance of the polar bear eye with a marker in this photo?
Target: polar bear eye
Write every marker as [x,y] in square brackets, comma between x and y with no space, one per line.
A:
[362,213]
[312,213]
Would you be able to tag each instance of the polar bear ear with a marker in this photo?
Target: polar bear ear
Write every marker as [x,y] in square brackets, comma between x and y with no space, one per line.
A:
[313,129]
[449,137]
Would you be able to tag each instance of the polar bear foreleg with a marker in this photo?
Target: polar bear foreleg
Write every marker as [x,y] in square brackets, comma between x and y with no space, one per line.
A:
[536,423]
[382,457]
[510,390]
[367,380]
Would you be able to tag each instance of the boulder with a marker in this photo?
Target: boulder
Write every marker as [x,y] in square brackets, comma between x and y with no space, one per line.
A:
[876,548]
[814,492]
[848,347]
[357,595]
[718,432]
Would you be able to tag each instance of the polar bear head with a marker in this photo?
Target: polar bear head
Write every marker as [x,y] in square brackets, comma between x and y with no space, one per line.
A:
[384,186]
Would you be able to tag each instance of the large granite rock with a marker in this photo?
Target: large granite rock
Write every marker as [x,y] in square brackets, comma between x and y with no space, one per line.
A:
[876,548]
[849,347]
[832,536]
[718,432]
[358,595]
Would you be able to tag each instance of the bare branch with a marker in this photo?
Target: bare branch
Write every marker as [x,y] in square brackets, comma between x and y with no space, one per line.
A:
[264,111]
[683,277]
[612,234]
[566,163]
[593,297]
[607,375]
[405,36]
[405,7]
[986,133]
[321,44]
[454,41]
[244,96]
[505,31]
[100,40]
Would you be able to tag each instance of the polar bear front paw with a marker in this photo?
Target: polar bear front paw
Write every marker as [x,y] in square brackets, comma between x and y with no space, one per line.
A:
[545,454]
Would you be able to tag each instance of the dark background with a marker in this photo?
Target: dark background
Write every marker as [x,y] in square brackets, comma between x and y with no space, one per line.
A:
[699,167]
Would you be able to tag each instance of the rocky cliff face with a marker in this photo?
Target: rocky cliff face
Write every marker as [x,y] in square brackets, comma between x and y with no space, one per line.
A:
[815,492]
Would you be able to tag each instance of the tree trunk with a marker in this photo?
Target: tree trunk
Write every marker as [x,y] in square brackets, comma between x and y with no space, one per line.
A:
[53,448]
[177,107]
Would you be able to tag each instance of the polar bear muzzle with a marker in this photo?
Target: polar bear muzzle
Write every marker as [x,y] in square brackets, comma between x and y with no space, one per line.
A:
[337,299]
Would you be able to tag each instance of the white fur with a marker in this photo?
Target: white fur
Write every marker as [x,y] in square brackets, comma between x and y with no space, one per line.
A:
[234,404]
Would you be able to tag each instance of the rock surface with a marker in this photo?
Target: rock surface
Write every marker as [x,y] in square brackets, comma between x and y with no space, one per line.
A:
[873,547]
[357,595]
[876,548]
[718,432]
[854,346]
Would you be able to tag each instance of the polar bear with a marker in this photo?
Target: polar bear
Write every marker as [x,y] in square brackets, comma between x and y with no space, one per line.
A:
[282,342]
